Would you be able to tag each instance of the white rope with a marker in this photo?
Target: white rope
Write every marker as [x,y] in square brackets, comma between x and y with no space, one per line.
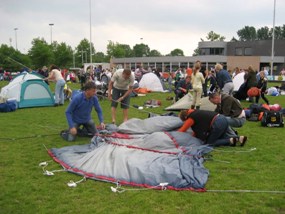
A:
[74,184]
[249,191]
[120,189]
[234,151]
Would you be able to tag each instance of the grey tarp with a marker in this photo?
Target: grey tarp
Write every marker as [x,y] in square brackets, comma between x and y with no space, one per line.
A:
[140,158]
[185,103]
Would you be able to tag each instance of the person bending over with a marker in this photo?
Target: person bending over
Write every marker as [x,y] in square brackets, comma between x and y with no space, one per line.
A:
[119,90]
[229,107]
[79,111]
[210,127]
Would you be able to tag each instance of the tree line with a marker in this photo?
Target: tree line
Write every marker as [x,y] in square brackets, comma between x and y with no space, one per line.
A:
[41,53]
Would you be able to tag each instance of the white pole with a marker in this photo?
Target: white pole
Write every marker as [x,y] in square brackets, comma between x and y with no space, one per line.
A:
[273,35]
[90,33]
[16,37]
[51,32]
[73,59]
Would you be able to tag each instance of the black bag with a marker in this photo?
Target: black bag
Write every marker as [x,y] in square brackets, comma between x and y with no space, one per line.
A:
[272,119]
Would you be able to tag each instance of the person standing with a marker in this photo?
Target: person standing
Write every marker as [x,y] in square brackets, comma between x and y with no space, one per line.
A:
[82,77]
[119,90]
[79,111]
[55,75]
[262,85]
[197,80]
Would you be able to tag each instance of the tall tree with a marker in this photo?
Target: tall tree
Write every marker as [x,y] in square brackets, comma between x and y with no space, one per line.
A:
[154,53]
[63,54]
[101,57]
[140,50]
[118,50]
[13,60]
[263,33]
[176,52]
[196,52]
[248,33]
[41,53]
[277,32]
[212,36]
[82,51]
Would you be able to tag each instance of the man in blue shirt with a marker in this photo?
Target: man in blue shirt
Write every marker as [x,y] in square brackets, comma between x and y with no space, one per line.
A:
[79,111]
[224,80]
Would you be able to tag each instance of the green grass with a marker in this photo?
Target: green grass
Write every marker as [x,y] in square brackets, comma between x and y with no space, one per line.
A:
[24,189]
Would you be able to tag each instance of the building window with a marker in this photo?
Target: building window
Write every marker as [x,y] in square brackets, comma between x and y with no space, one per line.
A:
[238,52]
[248,51]
[204,51]
[216,51]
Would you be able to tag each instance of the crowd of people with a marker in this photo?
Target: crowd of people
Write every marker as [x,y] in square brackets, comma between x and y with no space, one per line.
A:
[212,127]
[215,128]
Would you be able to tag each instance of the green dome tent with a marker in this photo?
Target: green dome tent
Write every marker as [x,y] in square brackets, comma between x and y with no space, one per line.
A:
[29,90]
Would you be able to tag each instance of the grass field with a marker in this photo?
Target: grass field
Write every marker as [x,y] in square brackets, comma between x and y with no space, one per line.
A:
[24,189]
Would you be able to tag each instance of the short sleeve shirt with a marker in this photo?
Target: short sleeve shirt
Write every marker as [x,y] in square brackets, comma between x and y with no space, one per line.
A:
[120,82]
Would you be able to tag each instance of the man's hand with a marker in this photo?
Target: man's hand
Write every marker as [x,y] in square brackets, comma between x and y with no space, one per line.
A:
[103,125]
[73,131]
[120,99]
[110,96]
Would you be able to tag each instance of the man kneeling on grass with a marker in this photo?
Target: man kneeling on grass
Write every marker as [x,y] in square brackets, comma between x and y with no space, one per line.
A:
[79,111]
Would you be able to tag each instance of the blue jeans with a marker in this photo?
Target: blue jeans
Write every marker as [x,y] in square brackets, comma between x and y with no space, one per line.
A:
[236,122]
[89,126]
[59,91]
[220,133]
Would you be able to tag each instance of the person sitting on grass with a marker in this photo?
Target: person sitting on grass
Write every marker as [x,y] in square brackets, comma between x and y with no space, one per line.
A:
[182,88]
[210,127]
[79,111]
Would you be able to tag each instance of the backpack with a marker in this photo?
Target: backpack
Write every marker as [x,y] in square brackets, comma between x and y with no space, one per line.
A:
[272,119]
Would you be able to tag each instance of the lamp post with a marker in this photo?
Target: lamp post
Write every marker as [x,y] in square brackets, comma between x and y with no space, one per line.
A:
[273,35]
[73,59]
[82,57]
[141,40]
[90,32]
[51,24]
[15,29]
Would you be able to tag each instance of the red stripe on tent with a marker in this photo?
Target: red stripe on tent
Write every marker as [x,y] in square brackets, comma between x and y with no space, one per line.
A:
[112,180]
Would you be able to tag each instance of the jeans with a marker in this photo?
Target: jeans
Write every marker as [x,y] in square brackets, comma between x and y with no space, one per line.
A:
[220,133]
[59,91]
[236,122]
[89,126]
[228,88]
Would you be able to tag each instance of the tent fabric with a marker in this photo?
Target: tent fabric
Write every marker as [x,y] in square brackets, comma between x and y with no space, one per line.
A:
[29,90]
[140,159]
[151,82]
[238,80]
[185,103]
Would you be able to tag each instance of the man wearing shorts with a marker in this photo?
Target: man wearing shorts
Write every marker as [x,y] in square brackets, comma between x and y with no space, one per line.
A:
[119,90]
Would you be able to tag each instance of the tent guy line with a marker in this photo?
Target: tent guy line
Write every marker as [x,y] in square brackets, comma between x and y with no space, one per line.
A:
[19,63]
[27,137]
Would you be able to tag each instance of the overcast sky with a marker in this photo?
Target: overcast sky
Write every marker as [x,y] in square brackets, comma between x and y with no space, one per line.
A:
[161,24]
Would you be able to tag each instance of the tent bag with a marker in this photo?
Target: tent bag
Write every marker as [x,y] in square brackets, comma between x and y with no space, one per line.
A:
[272,119]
